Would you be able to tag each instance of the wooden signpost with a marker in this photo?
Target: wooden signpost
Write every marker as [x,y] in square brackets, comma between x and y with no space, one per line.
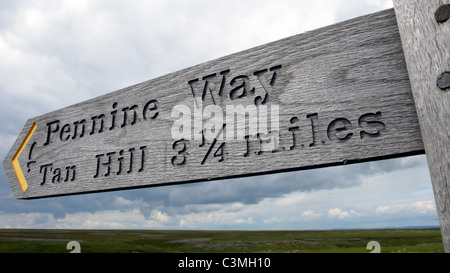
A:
[337,95]
[425,36]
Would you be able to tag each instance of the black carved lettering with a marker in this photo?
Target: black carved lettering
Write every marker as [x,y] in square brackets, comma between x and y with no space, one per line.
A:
[50,130]
[181,153]
[108,164]
[125,119]
[31,150]
[337,130]
[313,117]
[293,129]
[260,72]
[260,152]
[98,165]
[209,151]
[218,153]
[370,122]
[120,159]
[267,86]
[150,106]
[68,173]
[221,154]
[101,117]
[203,139]
[267,78]
[142,148]
[76,123]
[222,84]
[65,129]
[207,87]
[247,144]
[44,177]
[118,165]
[213,144]
[234,94]
[30,161]
[274,75]
[191,82]
[258,99]
[56,175]
[113,116]
[130,169]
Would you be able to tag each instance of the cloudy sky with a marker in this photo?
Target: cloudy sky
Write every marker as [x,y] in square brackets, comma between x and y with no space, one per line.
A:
[54,53]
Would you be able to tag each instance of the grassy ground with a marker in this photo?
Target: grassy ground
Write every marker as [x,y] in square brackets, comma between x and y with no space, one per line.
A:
[175,241]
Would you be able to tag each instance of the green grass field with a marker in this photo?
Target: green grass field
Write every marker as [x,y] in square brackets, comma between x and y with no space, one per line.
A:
[176,241]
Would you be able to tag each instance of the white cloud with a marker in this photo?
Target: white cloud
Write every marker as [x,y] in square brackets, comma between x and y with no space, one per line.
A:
[272,220]
[342,214]
[423,207]
[108,219]
[384,210]
[123,203]
[224,215]
[183,223]
[382,3]
[337,212]
[311,215]
[160,216]
[248,221]
[355,213]
[418,207]
[26,220]
[120,201]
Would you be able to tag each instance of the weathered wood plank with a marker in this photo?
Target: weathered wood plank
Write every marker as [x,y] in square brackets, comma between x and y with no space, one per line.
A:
[342,95]
[427,51]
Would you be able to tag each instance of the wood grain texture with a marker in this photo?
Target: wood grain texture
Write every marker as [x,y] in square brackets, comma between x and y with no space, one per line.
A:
[342,92]
[427,51]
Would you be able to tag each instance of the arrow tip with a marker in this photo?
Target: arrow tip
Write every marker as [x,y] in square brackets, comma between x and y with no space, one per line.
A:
[15,160]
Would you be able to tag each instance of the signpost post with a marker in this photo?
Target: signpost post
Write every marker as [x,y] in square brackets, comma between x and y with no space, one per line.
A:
[337,95]
[426,43]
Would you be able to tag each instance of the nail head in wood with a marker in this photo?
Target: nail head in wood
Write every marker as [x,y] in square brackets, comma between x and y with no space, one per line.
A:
[443,81]
[442,14]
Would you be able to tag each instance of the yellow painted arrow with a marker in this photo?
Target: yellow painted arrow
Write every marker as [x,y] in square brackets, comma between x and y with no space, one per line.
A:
[15,160]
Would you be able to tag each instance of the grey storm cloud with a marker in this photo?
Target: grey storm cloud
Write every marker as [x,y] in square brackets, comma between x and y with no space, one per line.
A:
[251,190]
